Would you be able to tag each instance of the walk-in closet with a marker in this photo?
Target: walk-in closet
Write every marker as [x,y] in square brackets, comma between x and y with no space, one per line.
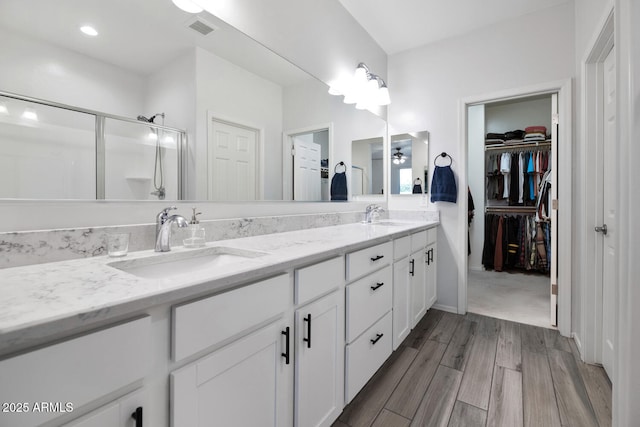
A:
[512,146]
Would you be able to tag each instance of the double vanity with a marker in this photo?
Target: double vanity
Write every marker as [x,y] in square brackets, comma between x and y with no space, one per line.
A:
[278,329]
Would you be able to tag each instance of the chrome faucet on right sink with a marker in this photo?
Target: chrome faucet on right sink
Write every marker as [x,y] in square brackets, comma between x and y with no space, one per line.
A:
[163,228]
[369,211]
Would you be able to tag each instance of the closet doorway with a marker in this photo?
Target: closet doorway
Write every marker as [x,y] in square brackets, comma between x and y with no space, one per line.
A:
[512,179]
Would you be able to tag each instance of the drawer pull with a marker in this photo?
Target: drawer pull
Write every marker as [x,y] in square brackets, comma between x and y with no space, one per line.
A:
[413,267]
[376,339]
[373,288]
[286,350]
[377,258]
[308,339]
[137,415]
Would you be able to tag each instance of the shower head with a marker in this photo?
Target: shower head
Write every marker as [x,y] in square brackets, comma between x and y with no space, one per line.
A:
[150,119]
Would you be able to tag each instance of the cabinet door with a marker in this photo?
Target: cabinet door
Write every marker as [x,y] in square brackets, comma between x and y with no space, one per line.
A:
[401,302]
[115,414]
[418,291]
[245,383]
[430,265]
[319,386]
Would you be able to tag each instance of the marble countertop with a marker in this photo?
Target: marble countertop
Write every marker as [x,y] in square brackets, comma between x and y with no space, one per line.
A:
[44,302]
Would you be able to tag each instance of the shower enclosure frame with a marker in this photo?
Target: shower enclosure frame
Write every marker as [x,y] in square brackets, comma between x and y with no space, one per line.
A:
[100,141]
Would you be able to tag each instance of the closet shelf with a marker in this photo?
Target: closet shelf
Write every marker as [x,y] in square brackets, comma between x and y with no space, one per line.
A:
[518,147]
[510,209]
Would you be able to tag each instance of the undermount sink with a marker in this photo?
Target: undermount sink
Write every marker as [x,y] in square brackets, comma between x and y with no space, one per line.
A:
[179,263]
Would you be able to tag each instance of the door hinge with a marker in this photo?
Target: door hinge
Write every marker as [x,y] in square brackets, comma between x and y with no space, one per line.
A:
[554,204]
[555,118]
[293,151]
[554,289]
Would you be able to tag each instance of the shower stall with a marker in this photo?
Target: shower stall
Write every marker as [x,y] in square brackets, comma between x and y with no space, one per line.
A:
[50,150]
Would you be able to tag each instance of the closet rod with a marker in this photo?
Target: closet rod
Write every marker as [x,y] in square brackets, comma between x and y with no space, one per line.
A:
[518,146]
[510,209]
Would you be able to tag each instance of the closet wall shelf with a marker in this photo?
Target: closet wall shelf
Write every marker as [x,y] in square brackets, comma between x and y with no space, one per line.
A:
[510,209]
[518,147]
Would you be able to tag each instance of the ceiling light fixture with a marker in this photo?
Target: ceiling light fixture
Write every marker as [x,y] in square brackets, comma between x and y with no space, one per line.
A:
[89,30]
[187,6]
[364,89]
[398,157]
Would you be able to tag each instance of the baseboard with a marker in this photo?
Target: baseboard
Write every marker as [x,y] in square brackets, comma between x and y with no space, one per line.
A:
[576,340]
[448,308]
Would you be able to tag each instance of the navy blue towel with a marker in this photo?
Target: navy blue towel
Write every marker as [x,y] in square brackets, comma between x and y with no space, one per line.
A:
[339,186]
[443,185]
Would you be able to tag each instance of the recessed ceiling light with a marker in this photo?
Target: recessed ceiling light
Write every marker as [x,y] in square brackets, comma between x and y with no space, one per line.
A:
[89,30]
[188,6]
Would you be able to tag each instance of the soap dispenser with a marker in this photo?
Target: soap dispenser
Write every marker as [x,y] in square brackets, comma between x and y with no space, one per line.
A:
[196,232]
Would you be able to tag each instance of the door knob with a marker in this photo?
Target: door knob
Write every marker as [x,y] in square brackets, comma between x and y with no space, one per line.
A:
[602,229]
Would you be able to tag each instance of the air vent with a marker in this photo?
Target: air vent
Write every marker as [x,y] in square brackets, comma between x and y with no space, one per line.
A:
[201,26]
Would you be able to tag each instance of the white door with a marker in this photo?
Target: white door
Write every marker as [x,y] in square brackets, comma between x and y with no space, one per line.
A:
[418,291]
[401,301]
[243,384]
[553,287]
[609,238]
[232,162]
[306,170]
[319,389]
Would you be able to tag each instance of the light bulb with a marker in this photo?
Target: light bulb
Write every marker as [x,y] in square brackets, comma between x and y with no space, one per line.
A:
[3,108]
[382,96]
[152,136]
[89,30]
[30,114]
[187,6]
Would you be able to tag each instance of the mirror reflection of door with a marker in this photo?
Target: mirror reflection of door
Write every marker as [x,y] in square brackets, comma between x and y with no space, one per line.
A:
[232,162]
[310,165]
[367,172]
[409,163]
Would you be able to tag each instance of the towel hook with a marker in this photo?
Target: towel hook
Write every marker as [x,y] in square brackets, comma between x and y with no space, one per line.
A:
[444,155]
[335,169]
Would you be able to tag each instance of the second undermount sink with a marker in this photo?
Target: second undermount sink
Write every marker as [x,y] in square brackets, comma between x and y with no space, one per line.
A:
[179,263]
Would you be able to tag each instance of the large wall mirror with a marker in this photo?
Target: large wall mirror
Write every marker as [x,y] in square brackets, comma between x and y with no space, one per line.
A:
[367,168]
[409,163]
[241,107]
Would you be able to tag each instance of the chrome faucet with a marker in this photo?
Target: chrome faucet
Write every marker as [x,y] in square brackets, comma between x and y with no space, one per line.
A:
[163,228]
[371,209]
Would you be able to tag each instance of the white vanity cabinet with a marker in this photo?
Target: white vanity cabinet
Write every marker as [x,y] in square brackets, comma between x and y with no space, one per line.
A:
[319,343]
[248,381]
[245,383]
[127,411]
[431,256]
[417,277]
[369,301]
[77,372]
[401,290]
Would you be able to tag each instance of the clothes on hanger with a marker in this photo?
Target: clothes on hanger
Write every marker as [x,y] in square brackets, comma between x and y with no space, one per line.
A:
[516,176]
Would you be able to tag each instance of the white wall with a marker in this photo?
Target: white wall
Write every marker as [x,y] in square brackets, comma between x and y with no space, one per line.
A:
[430,82]
[503,117]
[232,93]
[476,181]
[41,70]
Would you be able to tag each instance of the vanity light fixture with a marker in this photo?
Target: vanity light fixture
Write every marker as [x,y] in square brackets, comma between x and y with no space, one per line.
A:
[187,6]
[364,89]
[398,157]
[30,114]
[89,30]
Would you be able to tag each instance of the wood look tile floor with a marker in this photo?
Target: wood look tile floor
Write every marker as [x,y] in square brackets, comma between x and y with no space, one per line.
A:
[474,370]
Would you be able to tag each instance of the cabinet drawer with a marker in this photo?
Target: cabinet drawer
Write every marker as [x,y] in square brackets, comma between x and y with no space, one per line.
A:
[418,240]
[364,358]
[368,260]
[77,371]
[201,324]
[432,235]
[367,300]
[401,247]
[318,279]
